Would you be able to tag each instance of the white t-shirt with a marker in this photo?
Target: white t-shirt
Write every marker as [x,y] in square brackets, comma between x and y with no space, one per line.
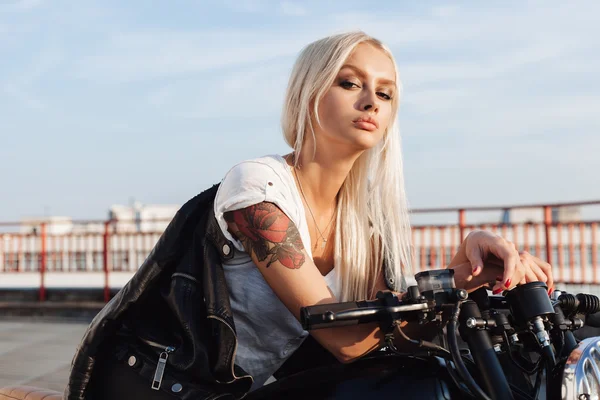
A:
[267,332]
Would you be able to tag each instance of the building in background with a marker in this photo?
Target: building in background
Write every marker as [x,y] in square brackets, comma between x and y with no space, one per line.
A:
[72,245]
[135,218]
[142,217]
[536,215]
[54,225]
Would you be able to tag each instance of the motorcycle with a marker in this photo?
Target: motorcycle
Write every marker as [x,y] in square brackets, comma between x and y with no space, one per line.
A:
[520,345]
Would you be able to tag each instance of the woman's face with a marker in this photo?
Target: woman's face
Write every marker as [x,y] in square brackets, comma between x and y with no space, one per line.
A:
[357,108]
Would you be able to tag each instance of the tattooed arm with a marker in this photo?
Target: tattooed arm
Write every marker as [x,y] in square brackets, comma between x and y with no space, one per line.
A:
[274,244]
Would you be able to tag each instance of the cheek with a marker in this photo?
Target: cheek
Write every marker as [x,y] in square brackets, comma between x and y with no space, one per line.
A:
[330,109]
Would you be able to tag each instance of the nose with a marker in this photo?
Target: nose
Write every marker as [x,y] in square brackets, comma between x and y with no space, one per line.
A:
[370,102]
[367,107]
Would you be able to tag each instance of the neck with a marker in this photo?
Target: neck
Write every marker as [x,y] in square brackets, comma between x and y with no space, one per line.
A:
[322,176]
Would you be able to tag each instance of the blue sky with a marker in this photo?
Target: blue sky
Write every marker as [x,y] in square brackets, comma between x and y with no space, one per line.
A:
[104,101]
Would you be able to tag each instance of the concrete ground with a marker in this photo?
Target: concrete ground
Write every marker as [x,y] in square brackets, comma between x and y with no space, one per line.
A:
[37,353]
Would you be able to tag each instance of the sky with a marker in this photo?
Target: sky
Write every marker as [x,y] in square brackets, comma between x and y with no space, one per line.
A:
[106,102]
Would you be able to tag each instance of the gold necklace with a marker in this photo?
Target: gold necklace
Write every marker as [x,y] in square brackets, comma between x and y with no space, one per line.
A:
[311,213]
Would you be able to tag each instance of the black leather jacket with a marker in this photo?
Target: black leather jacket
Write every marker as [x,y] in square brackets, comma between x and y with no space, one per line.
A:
[178,296]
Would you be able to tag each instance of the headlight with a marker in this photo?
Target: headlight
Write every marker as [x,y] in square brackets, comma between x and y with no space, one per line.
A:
[581,377]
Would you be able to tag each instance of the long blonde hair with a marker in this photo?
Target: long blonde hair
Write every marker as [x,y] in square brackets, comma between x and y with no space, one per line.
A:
[373,227]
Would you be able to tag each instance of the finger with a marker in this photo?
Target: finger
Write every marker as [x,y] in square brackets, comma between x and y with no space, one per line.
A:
[540,275]
[542,269]
[474,257]
[522,281]
[522,271]
[530,268]
[547,268]
[530,275]
[511,262]
[518,276]
[505,251]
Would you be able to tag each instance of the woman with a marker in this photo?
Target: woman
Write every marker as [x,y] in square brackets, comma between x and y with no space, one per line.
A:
[329,222]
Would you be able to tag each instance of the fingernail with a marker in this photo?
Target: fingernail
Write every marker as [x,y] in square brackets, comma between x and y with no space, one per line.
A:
[497,291]
[507,283]
[550,291]
[476,269]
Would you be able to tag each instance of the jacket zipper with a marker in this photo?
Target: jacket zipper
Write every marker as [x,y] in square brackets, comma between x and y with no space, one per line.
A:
[169,349]
[234,350]
[162,362]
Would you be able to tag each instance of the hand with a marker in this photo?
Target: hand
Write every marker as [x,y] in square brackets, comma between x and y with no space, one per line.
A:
[536,269]
[504,268]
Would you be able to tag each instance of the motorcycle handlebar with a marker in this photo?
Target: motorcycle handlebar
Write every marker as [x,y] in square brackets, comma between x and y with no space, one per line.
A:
[351,313]
[315,317]
[332,315]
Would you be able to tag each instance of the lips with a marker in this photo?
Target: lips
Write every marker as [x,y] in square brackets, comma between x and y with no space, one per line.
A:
[366,123]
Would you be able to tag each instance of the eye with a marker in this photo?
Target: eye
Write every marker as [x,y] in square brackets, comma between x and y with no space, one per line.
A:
[348,85]
[384,96]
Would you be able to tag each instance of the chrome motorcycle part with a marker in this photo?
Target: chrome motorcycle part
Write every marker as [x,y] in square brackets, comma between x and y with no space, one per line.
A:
[581,375]
[540,332]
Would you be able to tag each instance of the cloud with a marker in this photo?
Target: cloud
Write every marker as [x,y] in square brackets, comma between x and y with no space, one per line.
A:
[286,7]
[21,86]
[192,73]
[146,56]
[479,67]
[23,96]
[251,92]
[450,59]
[21,5]
[246,6]
[445,11]
[134,56]
[292,9]
[478,28]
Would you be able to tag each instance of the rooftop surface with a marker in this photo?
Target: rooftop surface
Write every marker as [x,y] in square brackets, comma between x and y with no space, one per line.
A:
[37,353]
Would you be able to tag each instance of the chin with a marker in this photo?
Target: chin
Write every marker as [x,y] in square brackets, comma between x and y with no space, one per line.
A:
[367,140]
[357,139]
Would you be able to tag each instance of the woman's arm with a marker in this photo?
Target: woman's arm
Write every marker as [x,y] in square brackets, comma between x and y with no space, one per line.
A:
[274,244]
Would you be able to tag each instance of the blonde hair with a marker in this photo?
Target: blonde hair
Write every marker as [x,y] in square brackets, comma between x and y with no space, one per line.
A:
[373,227]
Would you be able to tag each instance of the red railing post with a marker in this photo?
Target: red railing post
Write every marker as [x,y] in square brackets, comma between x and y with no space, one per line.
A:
[105,264]
[548,225]
[43,262]
[582,257]
[442,247]
[594,254]
[432,248]
[462,223]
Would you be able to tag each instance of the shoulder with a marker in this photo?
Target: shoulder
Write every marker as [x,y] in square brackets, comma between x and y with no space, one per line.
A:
[250,182]
[271,166]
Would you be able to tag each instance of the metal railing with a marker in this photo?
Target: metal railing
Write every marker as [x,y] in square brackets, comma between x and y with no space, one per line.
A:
[46,248]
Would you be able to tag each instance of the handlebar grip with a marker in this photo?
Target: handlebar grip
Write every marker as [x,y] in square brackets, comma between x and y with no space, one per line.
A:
[314,317]
[588,304]
[580,303]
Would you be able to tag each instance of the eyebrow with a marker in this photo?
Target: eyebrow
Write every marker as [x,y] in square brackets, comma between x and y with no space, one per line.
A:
[362,74]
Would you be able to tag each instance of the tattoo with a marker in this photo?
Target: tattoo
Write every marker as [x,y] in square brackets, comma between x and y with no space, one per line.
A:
[265,230]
